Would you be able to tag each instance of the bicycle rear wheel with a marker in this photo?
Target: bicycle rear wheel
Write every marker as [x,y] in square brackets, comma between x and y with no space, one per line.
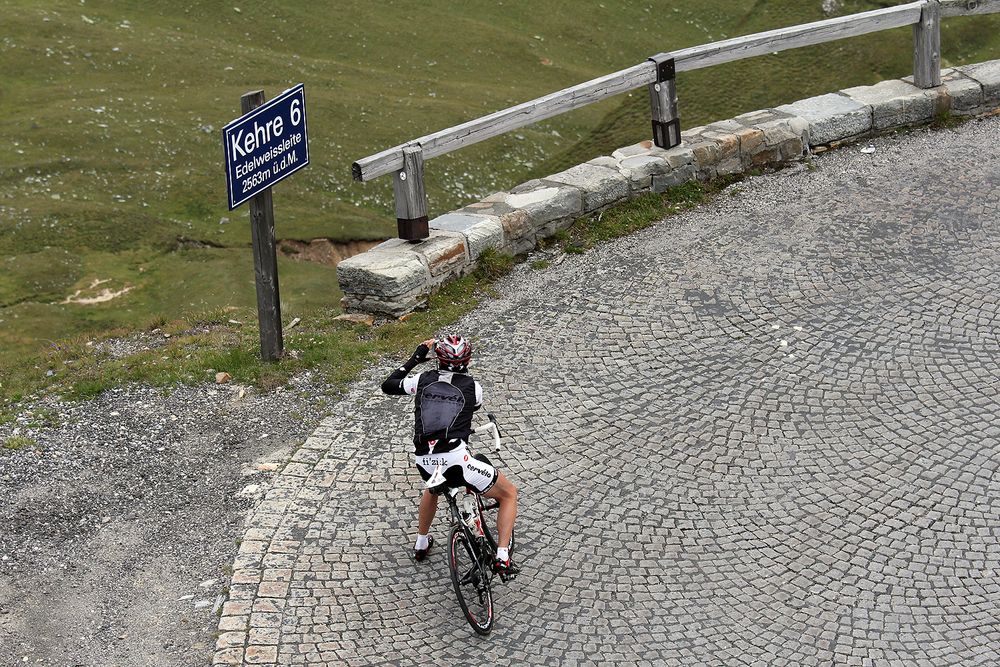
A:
[471,580]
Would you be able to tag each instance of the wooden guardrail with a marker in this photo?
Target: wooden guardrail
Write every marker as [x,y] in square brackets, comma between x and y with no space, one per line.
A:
[658,73]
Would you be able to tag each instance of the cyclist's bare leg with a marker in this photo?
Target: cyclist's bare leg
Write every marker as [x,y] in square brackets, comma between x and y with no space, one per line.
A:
[428,507]
[505,493]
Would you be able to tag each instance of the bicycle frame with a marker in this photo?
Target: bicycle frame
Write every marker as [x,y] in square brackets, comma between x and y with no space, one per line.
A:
[484,560]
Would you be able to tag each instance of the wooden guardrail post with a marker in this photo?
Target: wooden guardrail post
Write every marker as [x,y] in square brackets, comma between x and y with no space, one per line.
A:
[411,197]
[663,100]
[927,46]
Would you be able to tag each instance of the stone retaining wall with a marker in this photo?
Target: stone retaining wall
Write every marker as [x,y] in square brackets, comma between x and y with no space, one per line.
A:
[397,276]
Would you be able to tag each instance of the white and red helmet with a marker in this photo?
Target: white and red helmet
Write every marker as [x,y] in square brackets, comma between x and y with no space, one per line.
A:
[454,353]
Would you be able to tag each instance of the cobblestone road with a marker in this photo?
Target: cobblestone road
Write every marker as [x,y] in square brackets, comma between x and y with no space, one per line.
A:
[764,432]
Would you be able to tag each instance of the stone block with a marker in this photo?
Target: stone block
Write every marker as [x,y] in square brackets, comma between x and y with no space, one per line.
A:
[480,231]
[965,93]
[228,656]
[518,232]
[445,253]
[751,143]
[724,158]
[396,306]
[392,245]
[230,640]
[386,270]
[728,160]
[677,157]
[604,161]
[545,202]
[641,148]
[785,137]
[832,117]
[640,169]
[675,177]
[599,186]
[896,103]
[704,151]
[987,74]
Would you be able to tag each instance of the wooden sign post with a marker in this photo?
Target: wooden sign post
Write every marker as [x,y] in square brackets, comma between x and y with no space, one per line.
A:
[263,146]
[265,259]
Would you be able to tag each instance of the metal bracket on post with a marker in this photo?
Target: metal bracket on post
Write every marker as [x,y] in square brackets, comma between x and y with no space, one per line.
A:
[663,100]
[411,198]
[927,46]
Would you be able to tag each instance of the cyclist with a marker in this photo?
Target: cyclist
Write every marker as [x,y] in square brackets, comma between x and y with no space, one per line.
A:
[445,400]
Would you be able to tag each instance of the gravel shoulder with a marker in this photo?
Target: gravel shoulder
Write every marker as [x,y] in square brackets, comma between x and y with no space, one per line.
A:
[122,517]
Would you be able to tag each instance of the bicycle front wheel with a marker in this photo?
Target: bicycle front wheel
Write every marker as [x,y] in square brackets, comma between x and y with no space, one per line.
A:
[471,579]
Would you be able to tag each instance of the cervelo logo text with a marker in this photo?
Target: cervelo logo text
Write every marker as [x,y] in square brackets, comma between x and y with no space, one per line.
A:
[478,470]
[450,398]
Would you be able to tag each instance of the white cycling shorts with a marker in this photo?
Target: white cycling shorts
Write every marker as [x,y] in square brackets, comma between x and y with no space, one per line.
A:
[460,469]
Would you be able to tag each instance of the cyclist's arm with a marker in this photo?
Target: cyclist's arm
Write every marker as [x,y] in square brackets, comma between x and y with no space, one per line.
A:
[393,384]
[479,397]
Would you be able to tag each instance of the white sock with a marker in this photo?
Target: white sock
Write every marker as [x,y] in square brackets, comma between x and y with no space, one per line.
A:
[421,542]
[503,553]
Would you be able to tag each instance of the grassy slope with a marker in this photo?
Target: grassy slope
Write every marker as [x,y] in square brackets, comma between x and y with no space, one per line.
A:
[110,120]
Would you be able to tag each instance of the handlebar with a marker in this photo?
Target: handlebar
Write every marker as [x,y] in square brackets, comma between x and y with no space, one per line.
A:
[486,428]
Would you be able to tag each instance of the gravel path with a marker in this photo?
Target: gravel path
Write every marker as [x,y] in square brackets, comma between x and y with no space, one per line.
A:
[122,520]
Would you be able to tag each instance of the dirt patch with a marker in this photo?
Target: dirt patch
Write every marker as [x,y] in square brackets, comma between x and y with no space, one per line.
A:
[102,296]
[323,251]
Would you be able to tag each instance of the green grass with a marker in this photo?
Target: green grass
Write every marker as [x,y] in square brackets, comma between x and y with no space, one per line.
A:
[631,216]
[111,112]
[229,342]
[19,442]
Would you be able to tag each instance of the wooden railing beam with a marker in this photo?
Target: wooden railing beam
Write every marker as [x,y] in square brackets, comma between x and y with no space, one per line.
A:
[969,7]
[808,34]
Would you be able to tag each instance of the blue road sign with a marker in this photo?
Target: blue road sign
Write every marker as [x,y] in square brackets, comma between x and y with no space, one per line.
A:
[266,145]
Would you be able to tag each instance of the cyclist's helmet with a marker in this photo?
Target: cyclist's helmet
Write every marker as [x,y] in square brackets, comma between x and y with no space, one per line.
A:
[454,353]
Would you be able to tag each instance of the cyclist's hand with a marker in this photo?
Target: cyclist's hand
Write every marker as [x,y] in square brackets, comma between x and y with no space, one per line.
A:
[424,349]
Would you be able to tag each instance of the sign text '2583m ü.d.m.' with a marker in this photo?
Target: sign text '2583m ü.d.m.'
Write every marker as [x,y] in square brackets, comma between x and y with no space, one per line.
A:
[266,145]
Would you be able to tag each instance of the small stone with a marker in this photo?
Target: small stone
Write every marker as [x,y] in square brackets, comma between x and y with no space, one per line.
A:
[222,378]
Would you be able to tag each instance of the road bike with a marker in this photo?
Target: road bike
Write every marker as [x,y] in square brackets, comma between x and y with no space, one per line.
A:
[471,543]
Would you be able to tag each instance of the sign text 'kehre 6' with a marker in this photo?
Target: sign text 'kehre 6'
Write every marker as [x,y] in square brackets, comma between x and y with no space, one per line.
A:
[266,145]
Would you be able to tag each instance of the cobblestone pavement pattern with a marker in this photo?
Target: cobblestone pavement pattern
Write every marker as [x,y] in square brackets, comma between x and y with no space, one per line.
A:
[763,432]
